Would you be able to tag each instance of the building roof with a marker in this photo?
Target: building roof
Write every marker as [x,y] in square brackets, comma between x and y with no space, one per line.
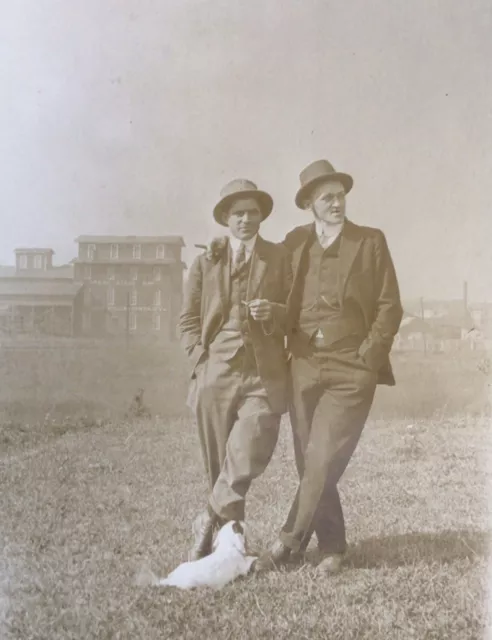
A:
[55,273]
[64,271]
[132,262]
[449,313]
[28,287]
[413,324]
[33,250]
[439,327]
[434,308]
[133,239]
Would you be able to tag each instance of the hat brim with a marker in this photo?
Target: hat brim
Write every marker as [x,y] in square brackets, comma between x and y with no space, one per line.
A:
[303,193]
[264,200]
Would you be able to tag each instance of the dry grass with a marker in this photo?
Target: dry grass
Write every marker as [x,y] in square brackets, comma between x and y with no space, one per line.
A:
[50,391]
[85,507]
[94,380]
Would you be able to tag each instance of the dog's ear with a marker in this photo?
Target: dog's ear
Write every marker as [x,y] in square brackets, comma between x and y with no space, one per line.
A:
[237,527]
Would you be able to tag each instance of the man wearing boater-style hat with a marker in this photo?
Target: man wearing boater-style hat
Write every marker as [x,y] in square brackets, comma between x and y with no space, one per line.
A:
[343,313]
[232,326]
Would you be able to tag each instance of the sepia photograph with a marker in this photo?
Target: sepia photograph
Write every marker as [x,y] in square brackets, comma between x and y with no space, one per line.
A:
[246,320]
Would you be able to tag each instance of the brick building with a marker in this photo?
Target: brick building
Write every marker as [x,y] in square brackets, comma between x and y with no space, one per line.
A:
[131,284]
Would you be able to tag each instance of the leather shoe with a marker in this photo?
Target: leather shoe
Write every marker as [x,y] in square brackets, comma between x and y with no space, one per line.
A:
[203,531]
[278,554]
[331,563]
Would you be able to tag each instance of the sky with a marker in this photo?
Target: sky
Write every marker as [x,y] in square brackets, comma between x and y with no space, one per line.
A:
[129,116]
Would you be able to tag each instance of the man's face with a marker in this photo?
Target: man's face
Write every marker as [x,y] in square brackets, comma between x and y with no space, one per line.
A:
[244,218]
[328,201]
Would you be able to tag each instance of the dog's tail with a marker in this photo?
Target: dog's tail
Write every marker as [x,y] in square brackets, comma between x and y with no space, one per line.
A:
[146,578]
[164,582]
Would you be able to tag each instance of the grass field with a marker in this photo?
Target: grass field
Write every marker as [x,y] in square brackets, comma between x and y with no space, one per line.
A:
[88,500]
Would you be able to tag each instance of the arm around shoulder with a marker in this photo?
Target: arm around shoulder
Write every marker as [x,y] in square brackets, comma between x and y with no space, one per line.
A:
[279,308]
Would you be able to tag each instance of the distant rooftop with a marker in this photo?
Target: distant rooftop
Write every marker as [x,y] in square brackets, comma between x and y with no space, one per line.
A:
[55,272]
[128,261]
[438,307]
[63,272]
[34,250]
[450,313]
[133,239]
[29,287]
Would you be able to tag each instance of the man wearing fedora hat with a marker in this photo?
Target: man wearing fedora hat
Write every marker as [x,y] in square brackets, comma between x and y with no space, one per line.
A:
[343,313]
[232,326]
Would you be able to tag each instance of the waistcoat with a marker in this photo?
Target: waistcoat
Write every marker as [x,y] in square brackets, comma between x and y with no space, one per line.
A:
[234,333]
[320,309]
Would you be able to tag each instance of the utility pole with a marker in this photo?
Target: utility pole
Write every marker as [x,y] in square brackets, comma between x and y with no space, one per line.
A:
[423,326]
[127,327]
[465,296]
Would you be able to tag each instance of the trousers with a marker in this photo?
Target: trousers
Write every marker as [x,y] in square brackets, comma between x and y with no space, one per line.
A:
[237,429]
[331,396]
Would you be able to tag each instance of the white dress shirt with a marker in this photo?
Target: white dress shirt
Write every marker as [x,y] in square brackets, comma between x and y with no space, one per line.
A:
[327,233]
[236,243]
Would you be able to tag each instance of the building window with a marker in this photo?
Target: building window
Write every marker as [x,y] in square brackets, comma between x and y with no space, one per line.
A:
[87,272]
[134,273]
[157,273]
[111,273]
[114,252]
[110,296]
[157,298]
[91,251]
[137,251]
[156,321]
[160,251]
[38,262]
[87,295]
[133,321]
[23,262]
[133,298]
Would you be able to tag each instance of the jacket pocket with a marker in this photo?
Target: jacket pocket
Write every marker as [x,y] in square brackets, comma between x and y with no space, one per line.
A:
[372,355]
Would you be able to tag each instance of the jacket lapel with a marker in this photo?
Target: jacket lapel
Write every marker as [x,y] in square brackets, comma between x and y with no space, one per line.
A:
[350,244]
[308,232]
[219,278]
[225,279]
[258,268]
[296,262]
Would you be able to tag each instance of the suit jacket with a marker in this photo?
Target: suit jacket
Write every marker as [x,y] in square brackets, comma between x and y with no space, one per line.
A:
[207,301]
[367,280]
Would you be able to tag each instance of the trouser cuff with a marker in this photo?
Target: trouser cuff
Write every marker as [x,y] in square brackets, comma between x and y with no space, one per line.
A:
[332,549]
[226,513]
[289,541]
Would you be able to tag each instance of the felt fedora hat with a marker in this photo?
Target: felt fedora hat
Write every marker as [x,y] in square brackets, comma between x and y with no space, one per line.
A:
[241,188]
[315,173]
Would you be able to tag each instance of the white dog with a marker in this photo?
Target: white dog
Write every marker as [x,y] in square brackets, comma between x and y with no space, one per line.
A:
[227,562]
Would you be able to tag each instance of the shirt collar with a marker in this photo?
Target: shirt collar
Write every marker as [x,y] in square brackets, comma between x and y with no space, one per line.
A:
[327,231]
[236,243]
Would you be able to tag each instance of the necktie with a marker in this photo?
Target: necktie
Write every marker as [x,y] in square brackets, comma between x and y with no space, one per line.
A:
[240,259]
[325,240]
